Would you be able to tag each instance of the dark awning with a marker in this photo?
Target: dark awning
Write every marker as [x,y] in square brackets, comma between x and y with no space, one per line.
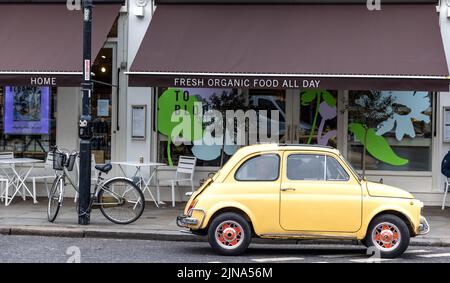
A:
[42,44]
[293,46]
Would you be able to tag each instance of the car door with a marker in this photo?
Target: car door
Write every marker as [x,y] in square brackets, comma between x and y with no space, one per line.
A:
[255,185]
[318,194]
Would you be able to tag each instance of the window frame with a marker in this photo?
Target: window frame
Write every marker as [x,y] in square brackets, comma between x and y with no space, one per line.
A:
[403,172]
[26,139]
[253,157]
[326,163]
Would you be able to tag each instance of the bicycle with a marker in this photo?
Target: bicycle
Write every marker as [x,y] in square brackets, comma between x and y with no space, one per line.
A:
[115,197]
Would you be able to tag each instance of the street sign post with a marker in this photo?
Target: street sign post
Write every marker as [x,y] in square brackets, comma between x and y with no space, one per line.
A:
[85,126]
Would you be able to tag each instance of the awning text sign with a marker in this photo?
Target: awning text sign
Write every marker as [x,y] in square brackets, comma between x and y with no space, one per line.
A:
[245,83]
[291,82]
[43,81]
[38,80]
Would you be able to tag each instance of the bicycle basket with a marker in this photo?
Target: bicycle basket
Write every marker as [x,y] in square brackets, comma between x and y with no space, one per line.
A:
[59,160]
[71,162]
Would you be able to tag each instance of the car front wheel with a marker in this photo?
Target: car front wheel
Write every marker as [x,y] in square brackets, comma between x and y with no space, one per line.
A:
[229,234]
[389,234]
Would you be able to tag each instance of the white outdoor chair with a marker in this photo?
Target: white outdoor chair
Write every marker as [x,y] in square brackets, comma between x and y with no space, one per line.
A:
[6,155]
[93,173]
[5,177]
[184,174]
[446,188]
[43,173]
[6,169]
[4,189]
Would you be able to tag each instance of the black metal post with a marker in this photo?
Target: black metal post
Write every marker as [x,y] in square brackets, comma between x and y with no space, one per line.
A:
[86,120]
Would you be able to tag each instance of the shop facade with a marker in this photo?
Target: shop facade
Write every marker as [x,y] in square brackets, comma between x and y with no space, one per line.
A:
[406,151]
[312,98]
[41,75]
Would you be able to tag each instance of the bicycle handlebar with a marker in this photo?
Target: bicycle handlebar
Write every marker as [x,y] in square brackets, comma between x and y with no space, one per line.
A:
[56,149]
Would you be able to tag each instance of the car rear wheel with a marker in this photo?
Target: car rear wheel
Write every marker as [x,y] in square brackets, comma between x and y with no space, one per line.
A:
[229,234]
[389,234]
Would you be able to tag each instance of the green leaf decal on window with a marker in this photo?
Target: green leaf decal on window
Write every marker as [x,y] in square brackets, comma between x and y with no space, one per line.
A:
[307,97]
[377,146]
[169,102]
[329,99]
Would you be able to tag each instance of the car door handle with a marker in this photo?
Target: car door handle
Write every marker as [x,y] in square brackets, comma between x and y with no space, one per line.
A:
[288,189]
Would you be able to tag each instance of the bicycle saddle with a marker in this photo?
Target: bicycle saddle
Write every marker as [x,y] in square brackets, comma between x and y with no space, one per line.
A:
[104,168]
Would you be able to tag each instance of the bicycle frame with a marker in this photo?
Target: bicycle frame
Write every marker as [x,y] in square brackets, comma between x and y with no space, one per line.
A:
[65,175]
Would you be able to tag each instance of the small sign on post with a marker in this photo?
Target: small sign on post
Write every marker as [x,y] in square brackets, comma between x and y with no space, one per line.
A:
[446,130]
[87,70]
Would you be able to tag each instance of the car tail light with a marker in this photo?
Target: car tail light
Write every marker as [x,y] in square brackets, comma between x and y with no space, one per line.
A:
[192,205]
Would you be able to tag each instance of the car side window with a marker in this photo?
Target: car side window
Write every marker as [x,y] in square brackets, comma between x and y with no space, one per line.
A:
[335,171]
[264,167]
[306,167]
[315,167]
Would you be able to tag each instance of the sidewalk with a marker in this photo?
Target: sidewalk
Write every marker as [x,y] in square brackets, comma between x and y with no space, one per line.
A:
[24,218]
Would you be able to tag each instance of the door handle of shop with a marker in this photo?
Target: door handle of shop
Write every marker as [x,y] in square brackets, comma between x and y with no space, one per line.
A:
[288,136]
[296,134]
[288,189]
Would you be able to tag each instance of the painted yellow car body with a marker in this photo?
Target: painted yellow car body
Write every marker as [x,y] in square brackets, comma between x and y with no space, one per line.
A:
[299,209]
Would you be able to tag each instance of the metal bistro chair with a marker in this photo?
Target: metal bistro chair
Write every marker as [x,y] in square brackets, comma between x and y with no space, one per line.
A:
[44,173]
[184,174]
[446,188]
[5,177]
[4,189]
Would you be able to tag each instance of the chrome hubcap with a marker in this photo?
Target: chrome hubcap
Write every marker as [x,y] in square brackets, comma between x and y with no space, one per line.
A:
[386,236]
[229,235]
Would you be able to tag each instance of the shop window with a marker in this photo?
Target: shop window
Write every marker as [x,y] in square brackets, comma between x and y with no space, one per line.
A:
[273,103]
[197,103]
[102,106]
[402,142]
[318,117]
[28,124]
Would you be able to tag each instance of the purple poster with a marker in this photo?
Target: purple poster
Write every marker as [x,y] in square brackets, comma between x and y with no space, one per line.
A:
[27,110]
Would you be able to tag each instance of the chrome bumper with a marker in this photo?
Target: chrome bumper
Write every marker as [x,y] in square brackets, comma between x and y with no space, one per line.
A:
[424,227]
[187,221]
[184,221]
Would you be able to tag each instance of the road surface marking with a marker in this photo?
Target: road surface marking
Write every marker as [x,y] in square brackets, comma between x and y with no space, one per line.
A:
[370,260]
[416,251]
[277,259]
[213,262]
[436,255]
[340,256]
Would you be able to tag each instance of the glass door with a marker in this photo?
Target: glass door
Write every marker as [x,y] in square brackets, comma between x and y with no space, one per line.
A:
[276,115]
[314,117]
[103,98]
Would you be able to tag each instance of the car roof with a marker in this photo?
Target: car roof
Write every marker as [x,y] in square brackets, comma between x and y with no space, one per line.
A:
[286,147]
[262,148]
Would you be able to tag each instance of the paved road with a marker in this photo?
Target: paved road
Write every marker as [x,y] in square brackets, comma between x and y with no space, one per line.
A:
[60,250]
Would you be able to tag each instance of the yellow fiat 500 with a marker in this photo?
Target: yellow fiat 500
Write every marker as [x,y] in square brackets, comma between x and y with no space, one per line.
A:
[300,192]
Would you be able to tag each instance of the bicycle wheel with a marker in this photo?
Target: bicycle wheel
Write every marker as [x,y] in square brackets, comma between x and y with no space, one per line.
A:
[121,201]
[54,200]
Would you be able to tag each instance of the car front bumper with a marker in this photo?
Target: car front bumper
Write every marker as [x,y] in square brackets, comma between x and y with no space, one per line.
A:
[424,227]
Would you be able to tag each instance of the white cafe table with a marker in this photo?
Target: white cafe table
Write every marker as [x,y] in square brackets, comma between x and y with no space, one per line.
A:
[17,171]
[144,183]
